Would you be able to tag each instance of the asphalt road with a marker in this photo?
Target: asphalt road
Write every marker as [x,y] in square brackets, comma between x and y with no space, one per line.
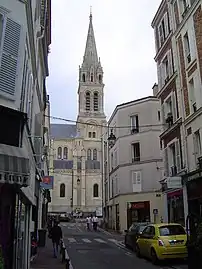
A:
[90,250]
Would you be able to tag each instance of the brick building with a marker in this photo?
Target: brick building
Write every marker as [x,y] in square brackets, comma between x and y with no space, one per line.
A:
[178,37]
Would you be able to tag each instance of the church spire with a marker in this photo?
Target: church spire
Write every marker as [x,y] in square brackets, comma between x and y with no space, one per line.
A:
[90,56]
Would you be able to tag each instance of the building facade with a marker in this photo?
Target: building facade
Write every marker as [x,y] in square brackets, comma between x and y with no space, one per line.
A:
[24,41]
[177,27]
[132,189]
[76,149]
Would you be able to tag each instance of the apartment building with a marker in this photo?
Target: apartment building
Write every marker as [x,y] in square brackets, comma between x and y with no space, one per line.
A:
[178,32]
[24,41]
[132,189]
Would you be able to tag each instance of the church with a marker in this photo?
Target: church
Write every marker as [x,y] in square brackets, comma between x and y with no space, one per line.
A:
[76,150]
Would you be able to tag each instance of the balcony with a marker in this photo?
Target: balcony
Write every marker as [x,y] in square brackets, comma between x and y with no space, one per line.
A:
[169,119]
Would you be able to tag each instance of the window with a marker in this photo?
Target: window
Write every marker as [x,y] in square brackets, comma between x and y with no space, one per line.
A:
[95,190]
[166,68]
[187,48]
[89,154]
[115,158]
[174,158]
[59,153]
[62,190]
[136,152]
[95,154]
[94,135]
[112,161]
[171,230]
[192,98]
[163,29]
[95,101]
[88,101]
[83,78]
[169,109]
[65,155]
[91,77]
[25,83]
[197,144]
[184,7]
[100,79]
[136,181]
[89,134]
[159,115]
[134,121]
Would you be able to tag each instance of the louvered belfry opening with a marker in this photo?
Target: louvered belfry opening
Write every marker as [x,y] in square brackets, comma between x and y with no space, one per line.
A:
[88,101]
[95,101]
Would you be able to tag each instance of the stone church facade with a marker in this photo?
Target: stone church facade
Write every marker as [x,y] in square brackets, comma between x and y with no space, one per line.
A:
[76,150]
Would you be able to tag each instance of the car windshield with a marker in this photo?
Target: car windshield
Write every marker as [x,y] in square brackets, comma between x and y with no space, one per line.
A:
[141,227]
[171,230]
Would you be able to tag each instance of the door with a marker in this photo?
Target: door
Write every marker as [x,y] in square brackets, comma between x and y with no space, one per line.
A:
[149,241]
[142,242]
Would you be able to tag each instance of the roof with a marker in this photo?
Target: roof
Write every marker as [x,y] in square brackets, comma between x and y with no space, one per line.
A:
[62,131]
[131,103]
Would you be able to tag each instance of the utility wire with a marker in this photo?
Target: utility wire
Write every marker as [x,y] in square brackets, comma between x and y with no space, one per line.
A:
[100,125]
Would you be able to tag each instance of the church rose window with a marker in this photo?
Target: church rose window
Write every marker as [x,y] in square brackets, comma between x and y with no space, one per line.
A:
[95,190]
[62,190]
[87,101]
[95,101]
[59,153]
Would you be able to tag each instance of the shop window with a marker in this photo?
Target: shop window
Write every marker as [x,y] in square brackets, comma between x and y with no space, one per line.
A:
[95,190]
[62,190]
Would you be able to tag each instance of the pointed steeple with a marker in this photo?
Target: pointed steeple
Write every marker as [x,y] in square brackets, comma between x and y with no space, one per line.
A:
[90,56]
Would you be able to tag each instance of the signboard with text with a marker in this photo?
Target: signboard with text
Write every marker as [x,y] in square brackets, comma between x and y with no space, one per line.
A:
[47,182]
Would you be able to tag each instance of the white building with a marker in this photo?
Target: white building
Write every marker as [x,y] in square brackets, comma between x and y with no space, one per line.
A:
[24,40]
[132,190]
[75,159]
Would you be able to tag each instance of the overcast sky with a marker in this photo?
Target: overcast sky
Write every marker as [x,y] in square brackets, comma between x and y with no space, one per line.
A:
[125,44]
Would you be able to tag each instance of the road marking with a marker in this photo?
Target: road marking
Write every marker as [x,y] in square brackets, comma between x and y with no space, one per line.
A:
[113,240]
[86,240]
[99,240]
[71,240]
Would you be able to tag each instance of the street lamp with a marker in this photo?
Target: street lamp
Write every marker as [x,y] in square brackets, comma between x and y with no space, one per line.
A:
[111,139]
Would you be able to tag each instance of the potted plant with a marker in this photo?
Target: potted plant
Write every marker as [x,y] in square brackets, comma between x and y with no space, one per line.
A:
[1,259]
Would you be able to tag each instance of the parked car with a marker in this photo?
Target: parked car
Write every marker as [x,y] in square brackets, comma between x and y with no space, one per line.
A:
[133,233]
[162,241]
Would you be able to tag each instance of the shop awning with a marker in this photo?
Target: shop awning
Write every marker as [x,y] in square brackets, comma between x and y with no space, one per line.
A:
[14,165]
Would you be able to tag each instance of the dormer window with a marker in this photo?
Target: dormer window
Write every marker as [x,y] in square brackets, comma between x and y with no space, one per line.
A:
[83,78]
[91,77]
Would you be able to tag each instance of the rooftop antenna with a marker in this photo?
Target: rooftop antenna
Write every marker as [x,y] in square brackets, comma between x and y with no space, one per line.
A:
[90,12]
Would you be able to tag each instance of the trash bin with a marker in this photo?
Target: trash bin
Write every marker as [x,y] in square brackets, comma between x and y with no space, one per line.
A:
[42,237]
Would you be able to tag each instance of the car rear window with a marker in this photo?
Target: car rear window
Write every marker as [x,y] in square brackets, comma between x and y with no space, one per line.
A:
[171,230]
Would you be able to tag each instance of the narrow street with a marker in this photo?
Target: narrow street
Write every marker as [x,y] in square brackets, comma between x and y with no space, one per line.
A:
[90,250]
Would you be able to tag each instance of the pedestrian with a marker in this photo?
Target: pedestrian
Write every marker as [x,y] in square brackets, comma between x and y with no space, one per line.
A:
[56,236]
[95,222]
[88,222]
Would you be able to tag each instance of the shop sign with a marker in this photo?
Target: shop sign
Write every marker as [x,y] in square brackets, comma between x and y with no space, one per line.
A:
[138,205]
[47,182]
[174,182]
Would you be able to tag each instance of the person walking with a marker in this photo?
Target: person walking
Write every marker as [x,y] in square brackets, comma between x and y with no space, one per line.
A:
[95,223]
[88,222]
[56,236]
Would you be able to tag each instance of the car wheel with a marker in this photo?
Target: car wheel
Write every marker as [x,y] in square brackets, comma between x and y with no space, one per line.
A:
[138,253]
[154,257]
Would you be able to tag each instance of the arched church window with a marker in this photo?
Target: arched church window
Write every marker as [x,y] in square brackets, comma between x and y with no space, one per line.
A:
[83,78]
[100,78]
[95,154]
[94,135]
[62,190]
[59,153]
[91,77]
[95,101]
[88,101]
[65,155]
[89,154]
[95,190]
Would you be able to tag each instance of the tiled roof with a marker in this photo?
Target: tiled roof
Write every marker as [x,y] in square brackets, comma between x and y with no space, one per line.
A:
[62,131]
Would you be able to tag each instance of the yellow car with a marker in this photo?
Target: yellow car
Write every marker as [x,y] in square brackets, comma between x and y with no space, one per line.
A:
[162,241]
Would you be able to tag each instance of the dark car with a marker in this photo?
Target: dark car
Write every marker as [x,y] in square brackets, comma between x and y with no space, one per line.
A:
[132,234]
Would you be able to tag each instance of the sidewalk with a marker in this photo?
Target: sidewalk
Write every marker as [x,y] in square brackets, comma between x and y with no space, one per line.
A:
[45,260]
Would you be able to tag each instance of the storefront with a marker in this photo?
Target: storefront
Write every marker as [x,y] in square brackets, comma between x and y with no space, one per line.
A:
[138,212]
[175,206]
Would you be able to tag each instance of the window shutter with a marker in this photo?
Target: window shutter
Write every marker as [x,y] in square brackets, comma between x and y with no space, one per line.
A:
[9,57]
[165,161]
[174,104]
[166,24]
[170,63]
[178,156]
[163,113]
